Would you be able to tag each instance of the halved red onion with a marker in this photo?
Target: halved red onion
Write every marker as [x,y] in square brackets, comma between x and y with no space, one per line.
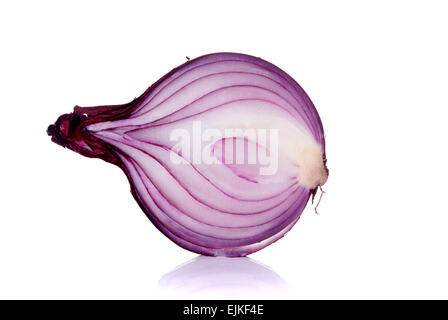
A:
[255,151]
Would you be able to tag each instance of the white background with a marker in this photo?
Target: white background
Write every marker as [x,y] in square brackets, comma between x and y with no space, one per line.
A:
[377,72]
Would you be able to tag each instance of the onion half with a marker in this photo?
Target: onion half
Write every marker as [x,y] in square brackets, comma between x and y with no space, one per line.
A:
[222,153]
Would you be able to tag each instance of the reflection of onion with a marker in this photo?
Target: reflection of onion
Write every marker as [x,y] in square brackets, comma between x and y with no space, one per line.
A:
[223,277]
[215,209]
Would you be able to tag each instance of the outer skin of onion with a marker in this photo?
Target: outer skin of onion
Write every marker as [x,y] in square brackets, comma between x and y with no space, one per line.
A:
[209,210]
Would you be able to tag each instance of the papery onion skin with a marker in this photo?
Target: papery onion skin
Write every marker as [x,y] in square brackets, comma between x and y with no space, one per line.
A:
[212,210]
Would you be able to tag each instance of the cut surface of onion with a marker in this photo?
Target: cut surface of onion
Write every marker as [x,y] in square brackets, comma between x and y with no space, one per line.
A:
[222,153]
